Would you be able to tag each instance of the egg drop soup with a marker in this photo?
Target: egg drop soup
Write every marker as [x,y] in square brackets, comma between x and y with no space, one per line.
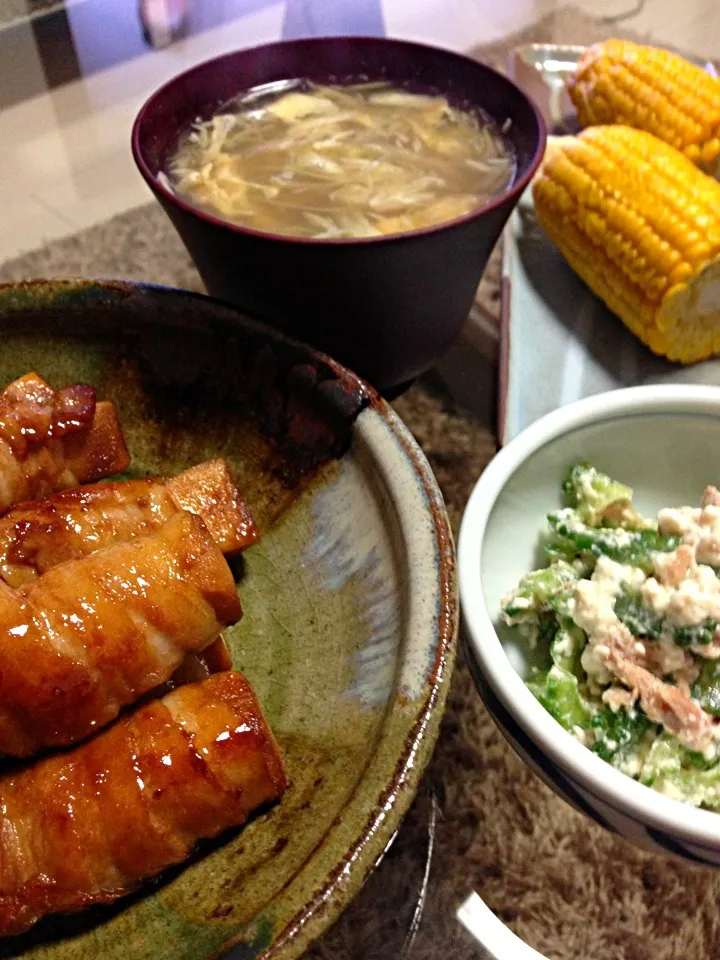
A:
[335,162]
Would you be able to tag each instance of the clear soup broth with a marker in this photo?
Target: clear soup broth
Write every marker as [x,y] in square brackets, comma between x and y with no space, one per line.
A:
[333,162]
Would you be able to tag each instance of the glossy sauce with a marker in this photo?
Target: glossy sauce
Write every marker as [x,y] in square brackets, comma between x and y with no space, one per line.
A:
[94,634]
[134,800]
[31,412]
[35,537]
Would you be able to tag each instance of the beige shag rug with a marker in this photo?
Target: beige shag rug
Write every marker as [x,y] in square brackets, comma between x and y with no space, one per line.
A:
[566,887]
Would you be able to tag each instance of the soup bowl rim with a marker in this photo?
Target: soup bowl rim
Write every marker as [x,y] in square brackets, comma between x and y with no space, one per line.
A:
[515,189]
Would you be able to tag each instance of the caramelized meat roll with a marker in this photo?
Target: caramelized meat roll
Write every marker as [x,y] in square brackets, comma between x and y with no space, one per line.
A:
[92,635]
[41,534]
[52,439]
[87,826]
[208,489]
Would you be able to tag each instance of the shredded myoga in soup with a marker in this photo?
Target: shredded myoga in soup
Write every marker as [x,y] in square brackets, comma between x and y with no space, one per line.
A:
[330,162]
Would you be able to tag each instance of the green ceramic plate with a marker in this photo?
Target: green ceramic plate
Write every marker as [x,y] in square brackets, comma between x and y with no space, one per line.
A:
[350,603]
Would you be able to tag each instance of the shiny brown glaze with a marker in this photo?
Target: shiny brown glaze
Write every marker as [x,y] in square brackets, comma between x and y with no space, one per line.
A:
[208,489]
[92,635]
[32,412]
[89,825]
[36,536]
[52,439]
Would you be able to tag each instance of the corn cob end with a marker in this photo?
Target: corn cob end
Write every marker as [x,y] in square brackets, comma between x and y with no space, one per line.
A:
[687,326]
[641,226]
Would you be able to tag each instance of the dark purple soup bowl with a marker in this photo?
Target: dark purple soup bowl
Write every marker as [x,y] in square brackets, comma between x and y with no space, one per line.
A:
[387,307]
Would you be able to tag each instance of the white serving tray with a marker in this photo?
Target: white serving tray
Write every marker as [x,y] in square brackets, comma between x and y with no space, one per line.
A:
[558,342]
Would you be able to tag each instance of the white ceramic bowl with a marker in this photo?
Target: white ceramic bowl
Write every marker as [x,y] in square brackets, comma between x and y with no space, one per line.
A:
[665,442]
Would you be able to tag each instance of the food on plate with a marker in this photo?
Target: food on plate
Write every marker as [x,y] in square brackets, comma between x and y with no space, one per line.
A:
[111,592]
[38,535]
[89,825]
[652,89]
[208,489]
[330,162]
[641,225]
[627,614]
[92,635]
[52,439]
[198,665]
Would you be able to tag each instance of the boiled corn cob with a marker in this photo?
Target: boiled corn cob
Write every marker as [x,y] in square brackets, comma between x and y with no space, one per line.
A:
[641,225]
[654,90]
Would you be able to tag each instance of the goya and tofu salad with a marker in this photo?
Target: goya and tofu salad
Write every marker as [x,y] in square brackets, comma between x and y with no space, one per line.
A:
[628,613]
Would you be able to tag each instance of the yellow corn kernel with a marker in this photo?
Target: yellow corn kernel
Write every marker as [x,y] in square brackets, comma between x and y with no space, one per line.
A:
[641,225]
[619,82]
